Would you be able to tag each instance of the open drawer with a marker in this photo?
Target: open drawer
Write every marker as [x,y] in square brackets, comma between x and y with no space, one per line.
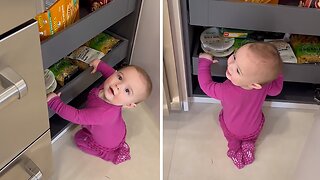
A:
[302,73]
[81,82]
[87,27]
[299,86]
[253,16]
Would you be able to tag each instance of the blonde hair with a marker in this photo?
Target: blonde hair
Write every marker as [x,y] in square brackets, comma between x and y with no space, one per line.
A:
[147,79]
[268,55]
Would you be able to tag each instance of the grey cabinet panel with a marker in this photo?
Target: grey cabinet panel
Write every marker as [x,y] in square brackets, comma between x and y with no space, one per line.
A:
[61,44]
[252,16]
[306,73]
[85,79]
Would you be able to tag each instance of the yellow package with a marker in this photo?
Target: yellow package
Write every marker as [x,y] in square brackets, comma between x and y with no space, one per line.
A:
[44,25]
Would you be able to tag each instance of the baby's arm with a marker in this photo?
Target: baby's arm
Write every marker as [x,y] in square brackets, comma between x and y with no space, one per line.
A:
[78,116]
[276,86]
[102,67]
[211,88]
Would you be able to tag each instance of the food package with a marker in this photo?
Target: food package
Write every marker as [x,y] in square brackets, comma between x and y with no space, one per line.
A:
[310,3]
[57,16]
[306,48]
[84,55]
[235,33]
[285,51]
[240,42]
[262,1]
[63,71]
[72,11]
[44,25]
[93,5]
[102,42]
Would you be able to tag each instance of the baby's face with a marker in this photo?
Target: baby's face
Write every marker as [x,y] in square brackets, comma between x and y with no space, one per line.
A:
[241,70]
[124,87]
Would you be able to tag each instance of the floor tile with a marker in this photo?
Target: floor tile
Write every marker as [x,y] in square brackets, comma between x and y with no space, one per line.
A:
[143,138]
[200,148]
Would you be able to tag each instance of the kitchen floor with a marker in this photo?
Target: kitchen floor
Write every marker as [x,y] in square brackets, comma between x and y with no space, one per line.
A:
[142,136]
[195,148]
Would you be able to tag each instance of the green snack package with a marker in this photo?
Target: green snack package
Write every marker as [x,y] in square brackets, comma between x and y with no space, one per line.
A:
[102,42]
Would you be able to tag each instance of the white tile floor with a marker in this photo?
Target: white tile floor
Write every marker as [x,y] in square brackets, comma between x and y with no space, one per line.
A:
[195,148]
[143,138]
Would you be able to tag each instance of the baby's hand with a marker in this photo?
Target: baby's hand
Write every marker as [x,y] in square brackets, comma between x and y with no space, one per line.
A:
[94,64]
[52,95]
[207,56]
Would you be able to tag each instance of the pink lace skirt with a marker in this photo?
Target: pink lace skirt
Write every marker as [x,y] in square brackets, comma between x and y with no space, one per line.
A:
[83,139]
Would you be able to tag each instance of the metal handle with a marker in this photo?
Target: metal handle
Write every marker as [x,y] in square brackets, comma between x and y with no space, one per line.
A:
[32,169]
[15,86]
[22,164]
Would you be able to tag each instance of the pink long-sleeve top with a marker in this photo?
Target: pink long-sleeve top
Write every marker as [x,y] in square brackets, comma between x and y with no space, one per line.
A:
[102,119]
[241,108]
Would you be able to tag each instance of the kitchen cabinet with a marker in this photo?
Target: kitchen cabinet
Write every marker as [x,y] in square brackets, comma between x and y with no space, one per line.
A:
[24,136]
[301,80]
[118,18]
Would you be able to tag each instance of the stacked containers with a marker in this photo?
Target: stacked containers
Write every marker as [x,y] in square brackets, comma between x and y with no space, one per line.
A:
[213,42]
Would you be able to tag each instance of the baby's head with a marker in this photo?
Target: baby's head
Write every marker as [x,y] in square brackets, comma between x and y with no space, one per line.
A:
[254,65]
[127,86]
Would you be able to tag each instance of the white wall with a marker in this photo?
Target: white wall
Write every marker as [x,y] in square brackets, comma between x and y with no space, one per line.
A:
[146,51]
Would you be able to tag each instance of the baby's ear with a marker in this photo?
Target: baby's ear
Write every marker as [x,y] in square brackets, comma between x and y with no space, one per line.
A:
[131,105]
[255,86]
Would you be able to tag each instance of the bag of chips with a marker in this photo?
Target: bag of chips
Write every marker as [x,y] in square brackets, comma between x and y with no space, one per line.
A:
[102,42]
[63,71]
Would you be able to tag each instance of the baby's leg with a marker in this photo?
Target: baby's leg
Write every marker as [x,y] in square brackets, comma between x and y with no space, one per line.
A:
[248,149]
[235,152]
[83,139]
[234,145]
[248,145]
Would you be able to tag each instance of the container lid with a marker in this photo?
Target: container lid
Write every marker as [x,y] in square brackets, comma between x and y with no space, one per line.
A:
[50,80]
[218,54]
[213,39]
[52,87]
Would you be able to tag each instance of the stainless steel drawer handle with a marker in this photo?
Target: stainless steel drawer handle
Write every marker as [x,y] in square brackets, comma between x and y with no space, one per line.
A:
[15,86]
[32,169]
[23,166]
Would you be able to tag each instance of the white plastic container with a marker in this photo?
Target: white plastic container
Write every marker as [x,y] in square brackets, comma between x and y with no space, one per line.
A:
[218,54]
[50,81]
[212,39]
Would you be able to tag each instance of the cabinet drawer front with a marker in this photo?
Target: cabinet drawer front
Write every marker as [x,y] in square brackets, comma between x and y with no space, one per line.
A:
[252,16]
[22,120]
[14,13]
[36,161]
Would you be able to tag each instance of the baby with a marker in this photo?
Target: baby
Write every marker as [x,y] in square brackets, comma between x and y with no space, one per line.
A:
[253,72]
[103,130]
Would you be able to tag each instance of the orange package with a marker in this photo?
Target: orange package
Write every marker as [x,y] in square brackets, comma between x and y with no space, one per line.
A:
[72,11]
[57,16]
[44,25]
